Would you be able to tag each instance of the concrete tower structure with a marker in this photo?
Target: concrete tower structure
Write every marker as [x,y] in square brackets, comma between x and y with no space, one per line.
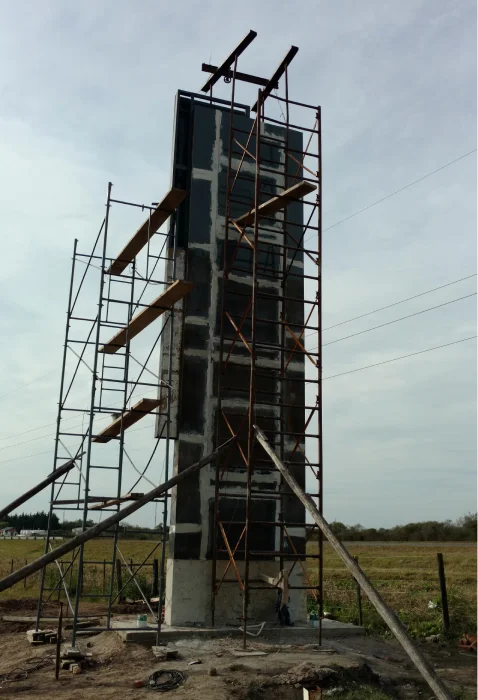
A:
[200,166]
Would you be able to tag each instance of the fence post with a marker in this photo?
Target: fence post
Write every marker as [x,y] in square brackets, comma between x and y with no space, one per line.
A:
[25,579]
[443,594]
[12,567]
[104,575]
[119,577]
[359,599]
[155,590]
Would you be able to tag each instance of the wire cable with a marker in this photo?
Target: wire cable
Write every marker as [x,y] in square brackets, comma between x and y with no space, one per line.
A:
[396,303]
[402,357]
[14,459]
[20,673]
[40,437]
[396,320]
[392,194]
[165,680]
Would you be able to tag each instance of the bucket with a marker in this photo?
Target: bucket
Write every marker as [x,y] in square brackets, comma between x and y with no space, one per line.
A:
[314,619]
[142,621]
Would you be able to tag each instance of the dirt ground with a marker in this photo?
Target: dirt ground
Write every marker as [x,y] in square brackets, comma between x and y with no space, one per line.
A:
[370,667]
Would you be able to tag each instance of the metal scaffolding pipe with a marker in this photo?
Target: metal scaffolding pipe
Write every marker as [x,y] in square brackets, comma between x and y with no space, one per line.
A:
[97,529]
[64,469]
[389,617]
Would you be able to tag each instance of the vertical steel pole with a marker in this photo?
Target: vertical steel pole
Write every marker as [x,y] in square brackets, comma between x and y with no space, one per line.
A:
[252,384]
[282,318]
[121,440]
[221,349]
[58,424]
[59,631]
[91,416]
[319,363]
[443,594]
[164,535]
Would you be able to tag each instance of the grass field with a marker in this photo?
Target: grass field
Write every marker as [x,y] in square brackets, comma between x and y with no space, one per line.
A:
[405,575]
[15,553]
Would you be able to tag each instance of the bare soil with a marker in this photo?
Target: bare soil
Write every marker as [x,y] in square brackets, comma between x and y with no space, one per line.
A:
[371,667]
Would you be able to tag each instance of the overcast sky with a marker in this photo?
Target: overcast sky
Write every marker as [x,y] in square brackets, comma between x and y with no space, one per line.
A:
[87,93]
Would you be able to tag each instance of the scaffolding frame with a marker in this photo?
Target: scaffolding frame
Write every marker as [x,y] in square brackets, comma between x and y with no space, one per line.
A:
[250,232]
[121,290]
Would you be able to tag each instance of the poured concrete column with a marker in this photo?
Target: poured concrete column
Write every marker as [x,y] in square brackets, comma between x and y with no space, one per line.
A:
[200,166]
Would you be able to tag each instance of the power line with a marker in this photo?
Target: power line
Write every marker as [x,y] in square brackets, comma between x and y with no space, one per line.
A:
[27,383]
[396,303]
[79,425]
[403,318]
[332,376]
[32,430]
[392,194]
[14,459]
[402,357]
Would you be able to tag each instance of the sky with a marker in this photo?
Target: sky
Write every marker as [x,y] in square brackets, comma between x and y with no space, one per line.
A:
[86,97]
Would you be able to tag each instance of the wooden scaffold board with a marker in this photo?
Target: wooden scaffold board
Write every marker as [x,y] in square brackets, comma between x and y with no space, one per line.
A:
[127,419]
[272,206]
[157,218]
[174,293]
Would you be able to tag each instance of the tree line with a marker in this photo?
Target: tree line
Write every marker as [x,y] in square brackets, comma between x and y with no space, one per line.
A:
[461,530]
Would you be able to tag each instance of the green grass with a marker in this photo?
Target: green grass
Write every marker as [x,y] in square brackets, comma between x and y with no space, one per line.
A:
[15,553]
[406,577]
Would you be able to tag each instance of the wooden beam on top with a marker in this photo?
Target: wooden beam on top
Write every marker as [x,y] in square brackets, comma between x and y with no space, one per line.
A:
[225,65]
[294,193]
[175,292]
[271,85]
[157,218]
[127,419]
[117,501]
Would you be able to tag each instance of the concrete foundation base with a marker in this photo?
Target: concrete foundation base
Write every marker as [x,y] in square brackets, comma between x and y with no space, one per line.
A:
[188,594]
[284,635]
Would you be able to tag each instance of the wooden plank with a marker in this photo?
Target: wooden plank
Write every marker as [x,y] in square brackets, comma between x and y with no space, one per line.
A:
[275,204]
[117,501]
[161,214]
[127,419]
[164,302]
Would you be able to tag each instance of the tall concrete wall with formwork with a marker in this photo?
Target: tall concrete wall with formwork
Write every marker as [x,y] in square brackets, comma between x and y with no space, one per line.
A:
[200,163]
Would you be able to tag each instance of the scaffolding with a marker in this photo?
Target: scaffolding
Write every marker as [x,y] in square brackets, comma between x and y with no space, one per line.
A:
[264,330]
[266,375]
[116,379]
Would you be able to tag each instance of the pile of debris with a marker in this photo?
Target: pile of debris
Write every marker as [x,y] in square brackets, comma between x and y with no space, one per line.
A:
[74,660]
[37,637]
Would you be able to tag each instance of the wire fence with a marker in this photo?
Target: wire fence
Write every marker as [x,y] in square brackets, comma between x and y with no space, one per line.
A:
[95,581]
[409,582]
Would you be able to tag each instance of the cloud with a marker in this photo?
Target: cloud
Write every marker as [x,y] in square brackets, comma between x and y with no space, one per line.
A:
[87,94]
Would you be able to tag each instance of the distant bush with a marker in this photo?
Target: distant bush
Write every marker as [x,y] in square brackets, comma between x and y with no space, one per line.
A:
[462,530]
